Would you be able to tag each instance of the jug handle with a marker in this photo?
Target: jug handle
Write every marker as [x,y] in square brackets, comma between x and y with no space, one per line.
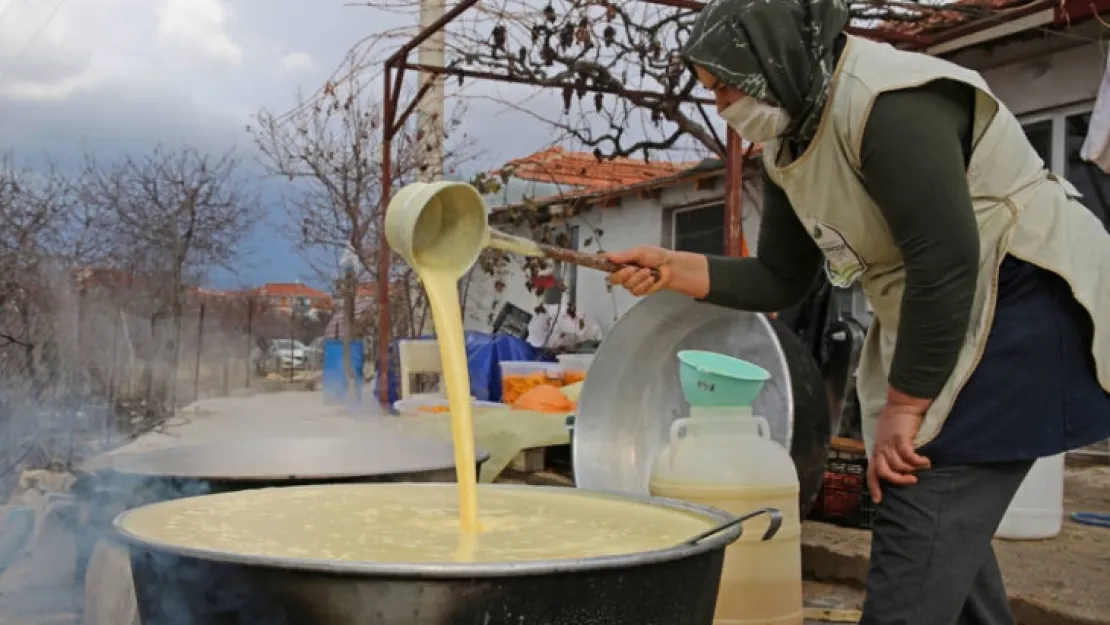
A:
[678,428]
[762,427]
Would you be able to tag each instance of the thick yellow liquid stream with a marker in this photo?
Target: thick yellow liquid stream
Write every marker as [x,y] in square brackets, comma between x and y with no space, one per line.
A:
[443,298]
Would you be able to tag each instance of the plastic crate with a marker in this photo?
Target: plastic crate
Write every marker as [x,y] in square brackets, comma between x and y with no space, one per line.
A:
[845,498]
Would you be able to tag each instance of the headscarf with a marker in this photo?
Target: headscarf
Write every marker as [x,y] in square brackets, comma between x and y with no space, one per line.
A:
[781,52]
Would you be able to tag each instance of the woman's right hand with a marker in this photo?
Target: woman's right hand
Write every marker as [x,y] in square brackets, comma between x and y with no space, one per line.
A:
[678,271]
[637,277]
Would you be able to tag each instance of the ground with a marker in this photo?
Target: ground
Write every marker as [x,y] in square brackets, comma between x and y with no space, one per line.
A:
[1062,581]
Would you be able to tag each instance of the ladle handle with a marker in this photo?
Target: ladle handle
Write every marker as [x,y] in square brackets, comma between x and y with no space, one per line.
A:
[583,259]
[772,528]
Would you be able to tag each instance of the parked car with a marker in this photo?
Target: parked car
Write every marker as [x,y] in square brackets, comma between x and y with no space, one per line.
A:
[287,353]
[314,354]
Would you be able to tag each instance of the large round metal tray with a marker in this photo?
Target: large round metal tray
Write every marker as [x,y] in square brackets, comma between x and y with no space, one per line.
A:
[632,395]
[294,459]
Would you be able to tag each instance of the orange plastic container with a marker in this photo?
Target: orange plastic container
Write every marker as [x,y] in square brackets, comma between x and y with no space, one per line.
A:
[519,377]
[575,367]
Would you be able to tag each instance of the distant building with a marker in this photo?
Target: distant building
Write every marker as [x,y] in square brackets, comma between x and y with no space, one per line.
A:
[282,296]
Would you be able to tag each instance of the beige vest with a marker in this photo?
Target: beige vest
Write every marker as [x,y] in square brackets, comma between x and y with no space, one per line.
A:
[1021,209]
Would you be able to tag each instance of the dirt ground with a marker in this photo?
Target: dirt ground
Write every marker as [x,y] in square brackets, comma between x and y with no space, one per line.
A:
[1061,581]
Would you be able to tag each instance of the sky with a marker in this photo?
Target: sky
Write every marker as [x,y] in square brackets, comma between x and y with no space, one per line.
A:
[105,76]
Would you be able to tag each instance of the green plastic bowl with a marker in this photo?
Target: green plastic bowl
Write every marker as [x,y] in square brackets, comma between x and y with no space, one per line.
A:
[710,379]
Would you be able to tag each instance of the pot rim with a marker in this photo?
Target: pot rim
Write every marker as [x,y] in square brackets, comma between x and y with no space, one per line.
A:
[452,570]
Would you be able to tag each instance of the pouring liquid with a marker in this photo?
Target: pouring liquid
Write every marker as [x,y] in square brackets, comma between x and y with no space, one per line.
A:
[443,298]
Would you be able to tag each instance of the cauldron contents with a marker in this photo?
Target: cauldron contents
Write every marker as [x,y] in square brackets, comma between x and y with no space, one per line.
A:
[411,523]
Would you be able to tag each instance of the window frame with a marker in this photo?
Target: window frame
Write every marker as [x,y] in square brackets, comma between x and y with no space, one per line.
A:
[1058,147]
[675,212]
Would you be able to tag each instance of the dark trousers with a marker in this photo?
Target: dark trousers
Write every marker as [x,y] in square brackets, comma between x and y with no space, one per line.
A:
[932,562]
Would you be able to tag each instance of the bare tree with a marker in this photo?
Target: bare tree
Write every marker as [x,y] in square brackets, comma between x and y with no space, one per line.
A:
[613,65]
[329,148]
[172,216]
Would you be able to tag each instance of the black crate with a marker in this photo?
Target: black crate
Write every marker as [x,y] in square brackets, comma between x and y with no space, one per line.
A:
[845,498]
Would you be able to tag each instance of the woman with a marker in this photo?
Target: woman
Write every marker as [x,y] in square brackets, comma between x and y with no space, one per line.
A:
[903,172]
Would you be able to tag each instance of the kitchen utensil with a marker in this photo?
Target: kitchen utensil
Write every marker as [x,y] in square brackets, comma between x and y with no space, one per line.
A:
[712,379]
[768,534]
[446,224]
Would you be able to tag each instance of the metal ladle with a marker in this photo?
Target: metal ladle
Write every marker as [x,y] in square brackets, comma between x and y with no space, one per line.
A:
[445,225]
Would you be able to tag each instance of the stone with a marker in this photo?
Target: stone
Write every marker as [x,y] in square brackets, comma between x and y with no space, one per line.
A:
[46,481]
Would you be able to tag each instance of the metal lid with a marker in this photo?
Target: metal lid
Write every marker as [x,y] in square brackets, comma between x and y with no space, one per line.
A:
[274,459]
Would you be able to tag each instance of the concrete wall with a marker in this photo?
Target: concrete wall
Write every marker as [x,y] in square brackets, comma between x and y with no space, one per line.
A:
[1030,79]
[635,221]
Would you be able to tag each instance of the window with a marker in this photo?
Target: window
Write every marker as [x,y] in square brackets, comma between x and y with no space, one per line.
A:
[1040,135]
[1091,181]
[700,230]
[1057,136]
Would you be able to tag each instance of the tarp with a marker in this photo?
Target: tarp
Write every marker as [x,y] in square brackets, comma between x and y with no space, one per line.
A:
[484,353]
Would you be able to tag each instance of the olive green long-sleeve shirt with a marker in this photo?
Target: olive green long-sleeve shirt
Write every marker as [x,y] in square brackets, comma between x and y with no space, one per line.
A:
[914,154]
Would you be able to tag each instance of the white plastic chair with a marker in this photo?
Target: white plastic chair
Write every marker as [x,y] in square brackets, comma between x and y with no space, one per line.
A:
[417,356]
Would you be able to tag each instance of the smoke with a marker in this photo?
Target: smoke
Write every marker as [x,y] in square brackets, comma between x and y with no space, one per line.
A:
[90,359]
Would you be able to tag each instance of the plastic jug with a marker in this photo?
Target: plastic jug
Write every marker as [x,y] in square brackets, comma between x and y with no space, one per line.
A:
[724,457]
[1037,510]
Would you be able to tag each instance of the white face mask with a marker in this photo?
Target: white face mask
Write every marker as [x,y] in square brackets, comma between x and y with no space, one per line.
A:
[756,121]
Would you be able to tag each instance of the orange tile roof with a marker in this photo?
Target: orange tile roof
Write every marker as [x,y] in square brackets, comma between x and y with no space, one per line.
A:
[680,172]
[290,289]
[937,19]
[583,170]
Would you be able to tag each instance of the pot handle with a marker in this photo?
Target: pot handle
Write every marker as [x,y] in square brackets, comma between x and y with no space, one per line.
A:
[772,528]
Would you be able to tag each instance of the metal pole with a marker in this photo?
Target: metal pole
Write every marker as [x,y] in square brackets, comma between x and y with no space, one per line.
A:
[734,189]
[250,339]
[200,350]
[292,331]
[389,111]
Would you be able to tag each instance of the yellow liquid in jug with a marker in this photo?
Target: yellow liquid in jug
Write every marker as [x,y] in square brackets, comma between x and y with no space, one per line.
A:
[761,581]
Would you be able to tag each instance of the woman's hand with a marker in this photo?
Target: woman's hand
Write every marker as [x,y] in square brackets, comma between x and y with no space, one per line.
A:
[678,271]
[893,457]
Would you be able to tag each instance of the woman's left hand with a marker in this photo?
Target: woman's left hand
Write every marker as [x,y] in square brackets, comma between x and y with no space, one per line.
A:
[893,458]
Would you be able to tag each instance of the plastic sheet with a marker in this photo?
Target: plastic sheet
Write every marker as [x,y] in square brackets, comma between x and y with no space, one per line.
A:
[484,354]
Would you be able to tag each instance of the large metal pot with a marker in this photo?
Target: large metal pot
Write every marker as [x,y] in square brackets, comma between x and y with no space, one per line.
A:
[672,586]
[140,478]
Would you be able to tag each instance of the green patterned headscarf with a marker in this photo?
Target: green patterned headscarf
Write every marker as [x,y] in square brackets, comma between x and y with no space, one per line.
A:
[781,52]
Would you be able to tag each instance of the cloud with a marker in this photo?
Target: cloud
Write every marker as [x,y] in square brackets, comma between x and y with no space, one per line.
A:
[296,62]
[199,26]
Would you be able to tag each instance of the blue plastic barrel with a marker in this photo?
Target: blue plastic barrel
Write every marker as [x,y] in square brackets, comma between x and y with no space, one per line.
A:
[334,374]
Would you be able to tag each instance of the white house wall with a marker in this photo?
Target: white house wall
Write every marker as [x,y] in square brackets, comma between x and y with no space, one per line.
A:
[636,221]
[1046,81]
